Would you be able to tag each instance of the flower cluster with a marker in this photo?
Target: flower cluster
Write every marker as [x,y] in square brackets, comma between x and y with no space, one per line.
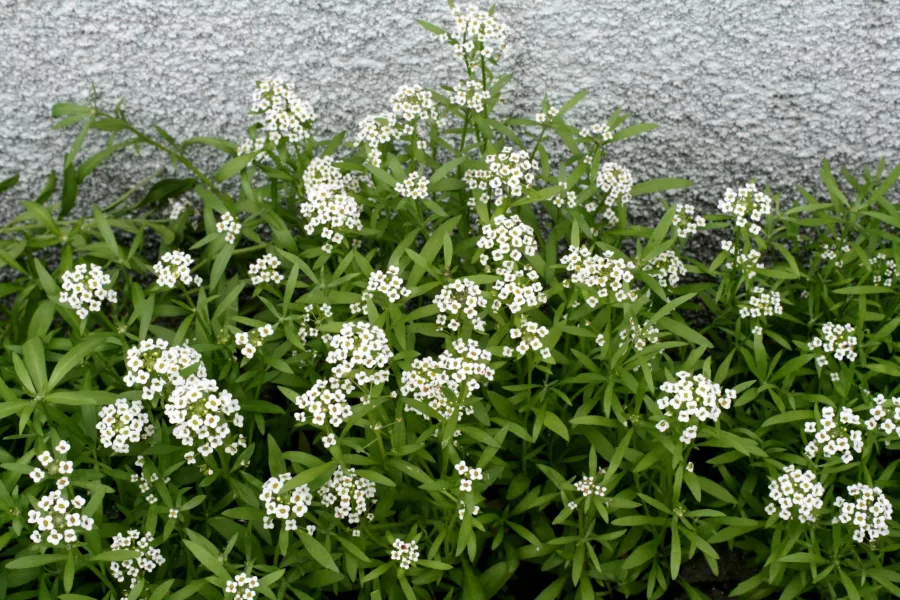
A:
[309,321]
[149,558]
[328,205]
[388,283]
[57,515]
[85,289]
[543,117]
[836,341]
[869,513]
[531,337]
[667,268]
[835,438]
[507,176]
[604,274]
[285,116]
[415,186]
[469,94]
[229,227]
[476,510]
[616,182]
[747,262]
[153,364]
[361,348]
[145,482]
[506,239]
[599,131]
[641,335]
[686,222]
[173,267]
[762,303]
[880,418]
[478,34]
[748,206]
[589,486]
[459,370]
[884,269]
[519,288]
[411,102]
[375,130]
[832,254]
[798,495]
[468,475]
[242,587]
[281,504]
[406,553]
[351,495]
[200,412]
[460,298]
[122,424]
[693,399]
[326,399]
[251,340]
[265,270]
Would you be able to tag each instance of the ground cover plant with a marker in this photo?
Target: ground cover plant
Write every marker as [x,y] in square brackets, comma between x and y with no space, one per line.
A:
[435,359]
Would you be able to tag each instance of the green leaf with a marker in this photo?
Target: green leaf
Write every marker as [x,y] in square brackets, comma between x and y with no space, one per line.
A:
[685,332]
[318,552]
[115,555]
[73,358]
[33,354]
[659,185]
[207,559]
[234,166]
[555,424]
[35,560]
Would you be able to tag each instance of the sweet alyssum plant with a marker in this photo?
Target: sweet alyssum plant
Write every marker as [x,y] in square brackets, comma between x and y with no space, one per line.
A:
[432,359]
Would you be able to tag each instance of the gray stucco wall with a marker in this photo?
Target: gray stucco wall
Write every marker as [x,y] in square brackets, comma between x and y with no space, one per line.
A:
[740,89]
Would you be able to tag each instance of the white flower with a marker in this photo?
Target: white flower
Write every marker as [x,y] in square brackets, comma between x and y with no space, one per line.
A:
[478,34]
[797,494]
[835,438]
[406,553]
[360,350]
[692,400]
[350,494]
[173,267]
[229,227]
[589,485]
[265,270]
[616,182]
[685,222]
[135,568]
[666,268]
[85,289]
[123,423]
[884,269]
[329,208]
[469,94]
[286,505]
[604,275]
[458,301]
[531,337]
[747,262]
[188,409]
[285,116]
[600,131]
[869,512]
[329,440]
[748,206]
[640,335]
[242,586]
[506,178]
[836,342]
[762,303]
[415,186]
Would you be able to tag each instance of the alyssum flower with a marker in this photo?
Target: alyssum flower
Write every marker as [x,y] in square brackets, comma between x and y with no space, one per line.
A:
[459,301]
[796,494]
[604,275]
[229,227]
[748,206]
[285,116]
[351,495]
[58,517]
[868,510]
[201,413]
[133,568]
[154,365]
[835,437]
[692,400]
[173,267]
[85,288]
[288,505]
[265,270]
[406,553]
[249,341]
[506,178]
[123,423]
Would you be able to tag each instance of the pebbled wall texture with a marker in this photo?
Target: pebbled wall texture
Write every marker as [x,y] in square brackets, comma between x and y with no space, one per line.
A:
[741,89]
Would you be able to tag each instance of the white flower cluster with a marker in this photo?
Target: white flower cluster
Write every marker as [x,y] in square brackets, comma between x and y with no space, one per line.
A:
[616,182]
[798,495]
[869,513]
[747,262]
[543,117]
[351,495]
[326,399]
[375,130]
[265,270]
[762,303]
[406,553]
[478,34]
[85,289]
[641,335]
[282,504]
[600,131]
[328,204]
[153,364]
[122,424]
[589,486]
[147,562]
[415,186]
[251,340]
[686,222]
[834,255]
[468,475]
[507,176]
[173,267]
[836,341]
[242,586]
[201,413]
[506,239]
[388,283]
[835,438]
[309,321]
[519,288]
[748,206]
[460,298]
[531,336]
[459,370]
[884,269]
[411,102]
[229,227]
[469,94]
[361,346]
[880,418]
[693,399]
[567,200]
[604,274]
[285,116]
[667,268]
[144,482]
[57,518]
[476,510]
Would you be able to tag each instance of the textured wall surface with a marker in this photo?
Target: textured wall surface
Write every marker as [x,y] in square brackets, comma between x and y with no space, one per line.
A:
[741,89]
